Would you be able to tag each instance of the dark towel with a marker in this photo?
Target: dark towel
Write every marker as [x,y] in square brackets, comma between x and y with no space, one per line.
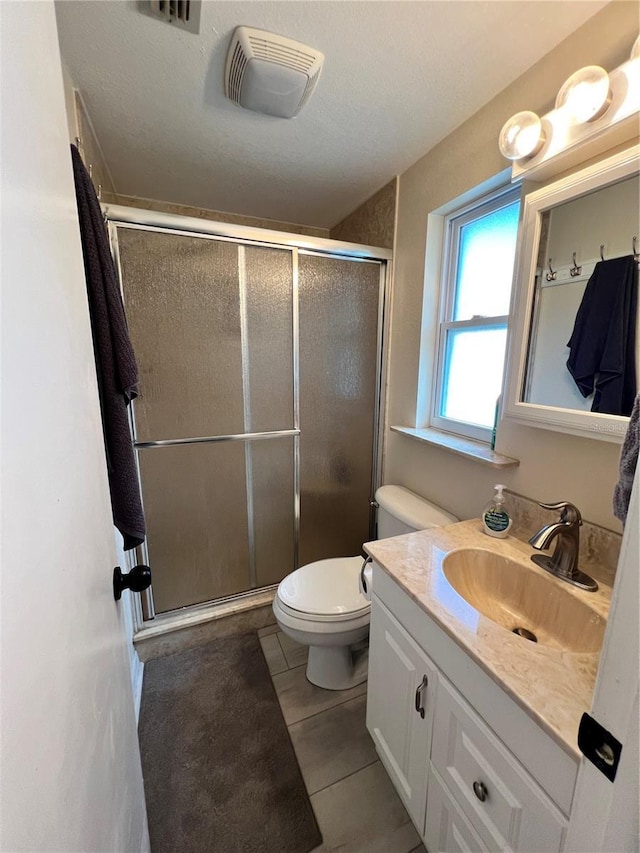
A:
[628,463]
[604,337]
[115,361]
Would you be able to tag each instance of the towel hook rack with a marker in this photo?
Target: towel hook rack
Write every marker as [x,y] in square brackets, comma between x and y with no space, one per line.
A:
[551,275]
[602,251]
[575,269]
[636,254]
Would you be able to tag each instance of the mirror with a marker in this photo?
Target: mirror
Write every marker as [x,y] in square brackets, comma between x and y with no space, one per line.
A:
[566,331]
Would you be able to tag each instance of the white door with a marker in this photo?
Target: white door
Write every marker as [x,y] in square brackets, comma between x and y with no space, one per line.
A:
[400,706]
[71,778]
[604,816]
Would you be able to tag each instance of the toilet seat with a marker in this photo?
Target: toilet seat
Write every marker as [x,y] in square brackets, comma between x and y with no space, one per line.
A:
[327,620]
[324,591]
[320,606]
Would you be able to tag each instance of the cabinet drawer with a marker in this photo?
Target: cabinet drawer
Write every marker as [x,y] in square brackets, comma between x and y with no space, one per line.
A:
[505,806]
[448,830]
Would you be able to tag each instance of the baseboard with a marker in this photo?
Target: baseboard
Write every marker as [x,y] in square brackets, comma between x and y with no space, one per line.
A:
[145,846]
[137,686]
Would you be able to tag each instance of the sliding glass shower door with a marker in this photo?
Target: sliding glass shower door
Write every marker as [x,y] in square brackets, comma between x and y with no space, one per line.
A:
[255,421]
[339,315]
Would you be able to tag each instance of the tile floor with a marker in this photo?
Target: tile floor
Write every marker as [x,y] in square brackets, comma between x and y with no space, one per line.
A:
[356,806]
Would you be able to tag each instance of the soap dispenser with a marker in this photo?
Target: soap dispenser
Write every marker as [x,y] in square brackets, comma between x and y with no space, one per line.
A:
[496,519]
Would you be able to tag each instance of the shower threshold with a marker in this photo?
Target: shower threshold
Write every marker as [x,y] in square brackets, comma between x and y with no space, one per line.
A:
[244,603]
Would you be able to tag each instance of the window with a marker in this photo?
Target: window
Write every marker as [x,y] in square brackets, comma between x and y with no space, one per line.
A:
[479,253]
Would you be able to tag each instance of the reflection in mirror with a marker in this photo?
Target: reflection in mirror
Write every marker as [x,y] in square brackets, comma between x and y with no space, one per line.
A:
[592,304]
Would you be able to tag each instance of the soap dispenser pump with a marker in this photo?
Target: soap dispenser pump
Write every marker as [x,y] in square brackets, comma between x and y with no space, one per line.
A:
[496,519]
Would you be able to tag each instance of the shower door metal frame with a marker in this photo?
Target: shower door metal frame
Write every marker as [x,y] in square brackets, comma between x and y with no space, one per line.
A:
[143,220]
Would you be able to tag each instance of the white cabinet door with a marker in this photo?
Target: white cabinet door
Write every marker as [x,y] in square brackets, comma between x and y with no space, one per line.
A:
[400,703]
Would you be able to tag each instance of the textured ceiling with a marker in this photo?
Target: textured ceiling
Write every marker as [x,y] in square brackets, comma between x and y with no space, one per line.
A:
[398,77]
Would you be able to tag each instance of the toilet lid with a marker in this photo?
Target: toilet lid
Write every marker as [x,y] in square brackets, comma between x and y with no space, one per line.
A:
[325,588]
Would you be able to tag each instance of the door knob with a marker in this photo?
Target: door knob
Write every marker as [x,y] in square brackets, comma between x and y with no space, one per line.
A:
[138,579]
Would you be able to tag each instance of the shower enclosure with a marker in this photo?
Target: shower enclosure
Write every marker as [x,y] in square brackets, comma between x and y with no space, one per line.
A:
[256,425]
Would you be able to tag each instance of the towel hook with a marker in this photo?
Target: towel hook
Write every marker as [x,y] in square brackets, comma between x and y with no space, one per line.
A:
[602,251]
[551,275]
[636,254]
[575,269]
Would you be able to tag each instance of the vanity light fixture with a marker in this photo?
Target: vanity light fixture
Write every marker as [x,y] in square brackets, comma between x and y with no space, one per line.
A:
[586,95]
[521,136]
[595,111]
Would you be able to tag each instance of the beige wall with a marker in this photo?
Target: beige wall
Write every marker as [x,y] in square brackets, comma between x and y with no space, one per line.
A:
[80,128]
[553,466]
[373,223]
[213,215]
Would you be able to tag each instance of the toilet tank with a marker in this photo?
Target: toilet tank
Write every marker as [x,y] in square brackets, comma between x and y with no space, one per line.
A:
[401,511]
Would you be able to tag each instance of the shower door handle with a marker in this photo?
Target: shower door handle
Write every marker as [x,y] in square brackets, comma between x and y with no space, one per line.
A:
[137,580]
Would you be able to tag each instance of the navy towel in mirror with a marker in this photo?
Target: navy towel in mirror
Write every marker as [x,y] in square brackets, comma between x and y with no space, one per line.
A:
[602,359]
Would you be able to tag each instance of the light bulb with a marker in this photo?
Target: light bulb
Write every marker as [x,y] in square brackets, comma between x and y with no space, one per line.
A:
[586,95]
[521,136]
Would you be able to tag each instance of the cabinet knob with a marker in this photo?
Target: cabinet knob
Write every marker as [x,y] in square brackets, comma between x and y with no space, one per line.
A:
[480,790]
[422,686]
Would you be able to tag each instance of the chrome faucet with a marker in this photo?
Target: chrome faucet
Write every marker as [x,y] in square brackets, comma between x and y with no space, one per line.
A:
[563,563]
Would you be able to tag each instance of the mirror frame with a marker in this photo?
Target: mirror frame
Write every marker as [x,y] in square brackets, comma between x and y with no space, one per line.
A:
[587,424]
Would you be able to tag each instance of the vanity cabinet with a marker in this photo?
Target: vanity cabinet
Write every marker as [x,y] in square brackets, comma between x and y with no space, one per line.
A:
[400,708]
[501,800]
[475,772]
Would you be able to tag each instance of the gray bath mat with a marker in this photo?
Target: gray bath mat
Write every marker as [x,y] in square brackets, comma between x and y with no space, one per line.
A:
[220,773]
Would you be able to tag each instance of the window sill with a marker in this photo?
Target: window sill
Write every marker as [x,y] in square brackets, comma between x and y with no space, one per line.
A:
[465,447]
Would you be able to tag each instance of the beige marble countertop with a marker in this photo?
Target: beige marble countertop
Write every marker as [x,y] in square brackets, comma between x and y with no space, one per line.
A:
[553,686]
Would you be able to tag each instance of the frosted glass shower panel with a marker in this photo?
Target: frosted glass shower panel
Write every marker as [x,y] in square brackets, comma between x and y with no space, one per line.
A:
[339,302]
[268,355]
[195,502]
[183,308]
[271,466]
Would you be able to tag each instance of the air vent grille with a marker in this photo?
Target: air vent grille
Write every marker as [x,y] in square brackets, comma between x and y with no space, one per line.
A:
[310,87]
[184,13]
[236,72]
[282,54]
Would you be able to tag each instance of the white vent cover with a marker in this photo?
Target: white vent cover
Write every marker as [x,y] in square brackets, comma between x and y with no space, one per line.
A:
[184,13]
[270,74]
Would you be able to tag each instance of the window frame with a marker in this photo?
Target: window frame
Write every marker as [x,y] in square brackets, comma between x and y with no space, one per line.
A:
[453,224]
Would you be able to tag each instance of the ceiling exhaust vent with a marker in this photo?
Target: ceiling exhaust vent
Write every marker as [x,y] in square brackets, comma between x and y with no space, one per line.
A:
[270,74]
[183,13]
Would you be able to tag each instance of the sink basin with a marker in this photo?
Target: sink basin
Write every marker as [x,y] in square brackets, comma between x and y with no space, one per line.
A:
[516,597]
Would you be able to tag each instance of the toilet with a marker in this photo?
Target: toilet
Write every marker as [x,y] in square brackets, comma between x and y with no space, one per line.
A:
[321,605]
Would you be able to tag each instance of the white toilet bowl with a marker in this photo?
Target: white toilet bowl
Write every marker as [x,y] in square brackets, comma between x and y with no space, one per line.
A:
[321,605]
